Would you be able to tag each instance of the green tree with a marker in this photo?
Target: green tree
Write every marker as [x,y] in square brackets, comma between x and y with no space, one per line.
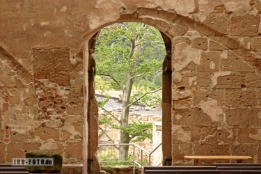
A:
[129,54]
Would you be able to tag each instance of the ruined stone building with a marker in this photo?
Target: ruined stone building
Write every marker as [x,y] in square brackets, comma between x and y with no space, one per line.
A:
[211,81]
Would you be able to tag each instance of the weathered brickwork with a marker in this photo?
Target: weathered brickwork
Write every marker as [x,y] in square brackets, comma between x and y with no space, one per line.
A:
[46,75]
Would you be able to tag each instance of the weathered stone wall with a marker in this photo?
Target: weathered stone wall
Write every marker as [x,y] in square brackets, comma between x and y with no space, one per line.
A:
[45,113]
[45,82]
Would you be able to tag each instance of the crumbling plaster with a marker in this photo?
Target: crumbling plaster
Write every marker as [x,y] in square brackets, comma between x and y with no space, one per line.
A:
[44,81]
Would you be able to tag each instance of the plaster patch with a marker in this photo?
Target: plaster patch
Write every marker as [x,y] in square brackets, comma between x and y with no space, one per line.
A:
[73,118]
[18,128]
[2,125]
[178,117]
[71,129]
[259,31]
[54,123]
[249,44]
[184,7]
[48,33]
[259,115]
[193,34]
[45,23]
[177,94]
[238,5]
[211,108]
[36,139]
[24,27]
[180,134]
[103,17]
[25,126]
[67,33]
[206,138]
[212,65]
[177,77]
[224,54]
[64,9]
[257,136]
[244,43]
[184,54]
[215,75]
[206,7]
[192,81]
[50,144]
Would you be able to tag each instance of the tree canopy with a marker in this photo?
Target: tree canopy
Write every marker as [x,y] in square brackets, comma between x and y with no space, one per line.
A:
[129,47]
[130,55]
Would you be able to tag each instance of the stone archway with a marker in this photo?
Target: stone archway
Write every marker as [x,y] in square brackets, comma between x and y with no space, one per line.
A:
[186,101]
[216,91]
[93,108]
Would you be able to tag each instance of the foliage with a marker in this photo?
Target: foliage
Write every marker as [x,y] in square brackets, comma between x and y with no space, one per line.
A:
[114,58]
[101,103]
[128,55]
[109,157]
[102,84]
[105,120]
[147,100]
[138,131]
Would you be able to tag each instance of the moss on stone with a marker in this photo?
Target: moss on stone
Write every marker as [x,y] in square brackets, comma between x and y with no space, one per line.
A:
[57,158]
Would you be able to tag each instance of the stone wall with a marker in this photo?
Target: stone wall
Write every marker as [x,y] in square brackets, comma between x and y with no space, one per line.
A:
[45,113]
[46,82]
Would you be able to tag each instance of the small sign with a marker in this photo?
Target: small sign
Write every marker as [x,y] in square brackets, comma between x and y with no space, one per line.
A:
[33,161]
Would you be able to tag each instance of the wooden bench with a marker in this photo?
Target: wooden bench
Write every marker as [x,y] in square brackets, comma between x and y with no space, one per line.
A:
[7,168]
[223,168]
[220,157]
[238,166]
[182,172]
[179,169]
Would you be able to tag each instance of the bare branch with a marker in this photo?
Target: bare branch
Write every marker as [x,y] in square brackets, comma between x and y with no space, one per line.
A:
[158,70]
[132,48]
[107,75]
[103,131]
[123,23]
[110,114]
[150,92]
[138,75]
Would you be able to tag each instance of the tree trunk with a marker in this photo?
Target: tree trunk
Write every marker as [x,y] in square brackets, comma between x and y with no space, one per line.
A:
[124,122]
[124,136]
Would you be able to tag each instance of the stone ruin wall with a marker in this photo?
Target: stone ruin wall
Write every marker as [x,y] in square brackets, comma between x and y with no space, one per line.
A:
[45,113]
[216,97]
[216,86]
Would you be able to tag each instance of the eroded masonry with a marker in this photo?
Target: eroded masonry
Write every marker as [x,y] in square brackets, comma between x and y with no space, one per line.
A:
[211,80]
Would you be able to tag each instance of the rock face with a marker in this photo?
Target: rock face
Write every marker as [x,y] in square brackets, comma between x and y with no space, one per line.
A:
[211,81]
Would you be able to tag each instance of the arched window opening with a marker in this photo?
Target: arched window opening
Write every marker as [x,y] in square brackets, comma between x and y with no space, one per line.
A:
[128,83]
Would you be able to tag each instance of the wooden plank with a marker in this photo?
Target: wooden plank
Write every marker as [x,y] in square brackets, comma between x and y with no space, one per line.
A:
[14,172]
[178,167]
[236,164]
[218,157]
[181,171]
